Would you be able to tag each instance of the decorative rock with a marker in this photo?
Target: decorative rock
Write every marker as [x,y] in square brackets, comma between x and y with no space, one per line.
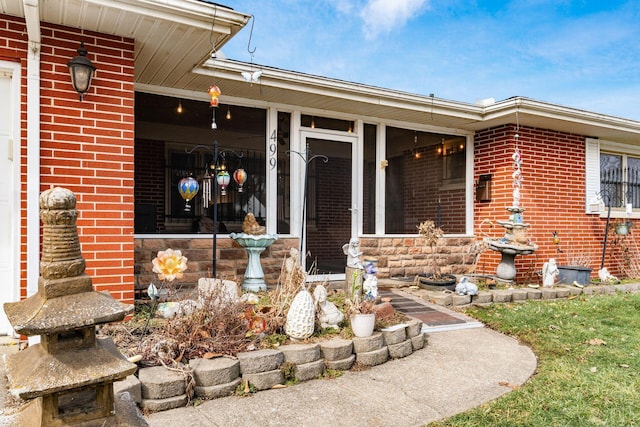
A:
[384,311]
[342,364]
[264,380]
[131,385]
[500,295]
[156,405]
[336,349]
[519,294]
[215,391]
[483,297]
[548,293]
[300,353]
[301,316]
[562,292]
[418,341]
[260,361]
[309,371]
[213,372]
[460,299]
[373,358]
[440,298]
[394,334]
[403,349]
[414,328]
[159,383]
[367,344]
[534,293]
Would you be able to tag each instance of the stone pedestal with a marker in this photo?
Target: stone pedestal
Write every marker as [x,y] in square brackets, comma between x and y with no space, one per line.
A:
[254,245]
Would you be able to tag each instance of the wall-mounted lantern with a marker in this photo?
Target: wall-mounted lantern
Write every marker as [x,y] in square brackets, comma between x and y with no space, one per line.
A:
[81,70]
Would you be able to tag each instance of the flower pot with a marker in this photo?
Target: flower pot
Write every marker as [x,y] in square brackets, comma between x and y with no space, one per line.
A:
[568,274]
[445,281]
[362,325]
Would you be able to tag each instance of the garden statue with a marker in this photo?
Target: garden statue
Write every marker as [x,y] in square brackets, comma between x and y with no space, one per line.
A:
[549,272]
[370,285]
[605,276]
[250,225]
[465,287]
[301,316]
[352,251]
[328,313]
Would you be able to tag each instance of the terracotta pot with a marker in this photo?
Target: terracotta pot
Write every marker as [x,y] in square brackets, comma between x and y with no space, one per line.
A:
[362,325]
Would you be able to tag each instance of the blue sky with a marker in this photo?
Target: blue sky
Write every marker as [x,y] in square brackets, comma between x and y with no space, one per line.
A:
[582,54]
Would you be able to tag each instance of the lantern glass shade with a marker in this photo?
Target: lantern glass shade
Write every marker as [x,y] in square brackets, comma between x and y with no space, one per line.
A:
[240,177]
[81,70]
[223,180]
[188,188]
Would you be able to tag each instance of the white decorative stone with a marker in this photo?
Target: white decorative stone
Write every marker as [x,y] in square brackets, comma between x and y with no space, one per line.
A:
[301,316]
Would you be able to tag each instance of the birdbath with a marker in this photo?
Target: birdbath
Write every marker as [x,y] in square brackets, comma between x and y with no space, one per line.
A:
[254,245]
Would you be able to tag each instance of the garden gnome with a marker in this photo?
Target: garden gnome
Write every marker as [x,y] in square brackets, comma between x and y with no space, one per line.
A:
[352,251]
[328,313]
[549,272]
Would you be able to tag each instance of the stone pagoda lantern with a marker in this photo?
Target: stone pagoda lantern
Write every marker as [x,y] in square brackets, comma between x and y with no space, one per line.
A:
[70,373]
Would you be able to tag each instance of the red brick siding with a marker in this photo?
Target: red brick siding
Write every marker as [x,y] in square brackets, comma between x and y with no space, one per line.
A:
[86,146]
[553,194]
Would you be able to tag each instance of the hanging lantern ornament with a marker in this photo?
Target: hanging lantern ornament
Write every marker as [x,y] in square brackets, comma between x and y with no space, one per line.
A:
[214,92]
[240,177]
[223,180]
[188,188]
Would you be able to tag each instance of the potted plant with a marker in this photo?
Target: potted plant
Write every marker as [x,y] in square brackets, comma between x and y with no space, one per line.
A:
[360,308]
[434,280]
[576,268]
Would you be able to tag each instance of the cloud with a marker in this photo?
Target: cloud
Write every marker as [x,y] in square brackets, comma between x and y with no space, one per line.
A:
[382,16]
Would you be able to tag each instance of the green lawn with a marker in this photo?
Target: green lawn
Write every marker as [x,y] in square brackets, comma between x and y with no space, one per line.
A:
[588,351]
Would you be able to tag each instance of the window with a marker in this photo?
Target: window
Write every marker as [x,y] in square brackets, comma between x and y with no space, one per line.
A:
[425,179]
[171,145]
[613,176]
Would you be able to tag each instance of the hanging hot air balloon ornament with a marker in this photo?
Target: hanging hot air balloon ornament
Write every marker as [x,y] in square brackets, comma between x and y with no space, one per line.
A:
[214,92]
[240,177]
[223,178]
[188,188]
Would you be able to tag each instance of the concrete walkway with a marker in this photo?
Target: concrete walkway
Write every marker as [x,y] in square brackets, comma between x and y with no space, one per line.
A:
[456,371]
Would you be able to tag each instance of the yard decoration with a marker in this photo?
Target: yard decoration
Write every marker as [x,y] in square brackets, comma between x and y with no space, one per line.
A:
[328,314]
[188,188]
[515,241]
[434,280]
[301,316]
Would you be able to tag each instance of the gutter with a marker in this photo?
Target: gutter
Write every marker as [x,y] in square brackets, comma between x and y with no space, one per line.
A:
[32,20]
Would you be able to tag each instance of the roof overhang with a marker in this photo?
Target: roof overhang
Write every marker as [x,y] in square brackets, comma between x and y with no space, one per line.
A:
[171,36]
[174,40]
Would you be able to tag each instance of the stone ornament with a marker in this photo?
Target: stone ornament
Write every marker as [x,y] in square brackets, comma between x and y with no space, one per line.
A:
[328,314]
[301,316]
[549,273]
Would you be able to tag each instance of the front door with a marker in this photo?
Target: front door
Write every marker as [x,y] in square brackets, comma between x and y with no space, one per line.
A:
[8,228]
[329,205]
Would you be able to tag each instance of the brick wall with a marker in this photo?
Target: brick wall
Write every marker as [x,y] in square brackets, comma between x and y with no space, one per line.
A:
[86,146]
[553,194]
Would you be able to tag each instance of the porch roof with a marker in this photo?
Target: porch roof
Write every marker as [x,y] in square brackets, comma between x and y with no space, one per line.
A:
[174,40]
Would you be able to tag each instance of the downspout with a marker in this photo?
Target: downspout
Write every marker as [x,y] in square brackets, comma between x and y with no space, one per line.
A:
[32,20]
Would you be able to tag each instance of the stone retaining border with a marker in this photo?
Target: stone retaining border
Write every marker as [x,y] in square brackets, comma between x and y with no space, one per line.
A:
[159,389]
[449,298]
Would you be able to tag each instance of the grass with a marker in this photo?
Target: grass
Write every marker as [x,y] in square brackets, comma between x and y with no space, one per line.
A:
[588,351]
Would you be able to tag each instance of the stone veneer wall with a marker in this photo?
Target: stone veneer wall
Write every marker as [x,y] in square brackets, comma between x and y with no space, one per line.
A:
[397,257]
[231,260]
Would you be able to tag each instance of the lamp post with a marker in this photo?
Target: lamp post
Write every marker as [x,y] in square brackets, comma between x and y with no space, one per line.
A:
[220,178]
